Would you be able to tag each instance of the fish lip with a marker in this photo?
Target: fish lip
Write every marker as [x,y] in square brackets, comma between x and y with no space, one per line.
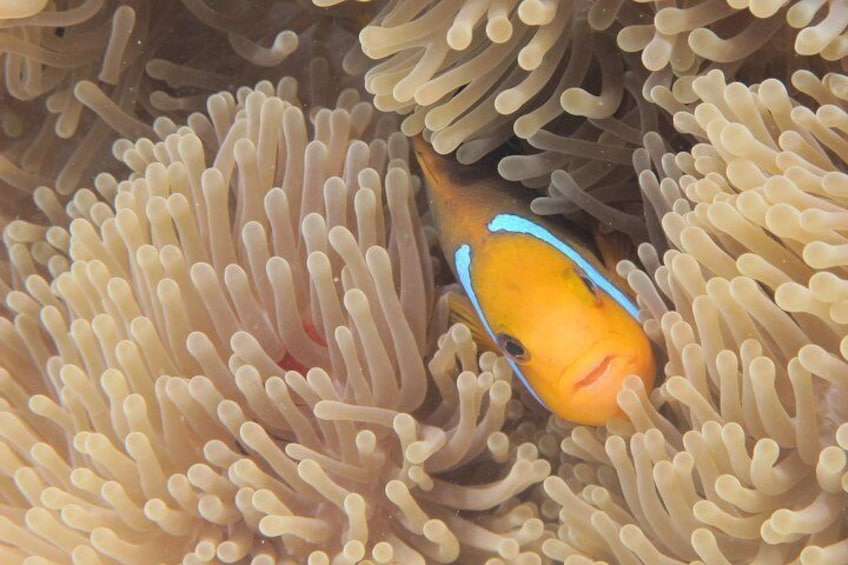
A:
[596,373]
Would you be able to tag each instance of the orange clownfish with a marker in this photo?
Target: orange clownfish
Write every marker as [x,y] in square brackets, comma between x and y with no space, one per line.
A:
[545,301]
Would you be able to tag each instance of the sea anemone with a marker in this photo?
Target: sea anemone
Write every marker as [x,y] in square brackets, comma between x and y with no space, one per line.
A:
[586,166]
[589,166]
[474,73]
[751,41]
[740,455]
[230,348]
[230,367]
[78,74]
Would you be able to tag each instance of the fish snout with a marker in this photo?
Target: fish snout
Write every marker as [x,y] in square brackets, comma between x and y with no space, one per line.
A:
[596,373]
[594,369]
[589,387]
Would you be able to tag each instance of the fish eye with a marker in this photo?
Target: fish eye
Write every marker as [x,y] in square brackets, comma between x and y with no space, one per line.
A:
[512,347]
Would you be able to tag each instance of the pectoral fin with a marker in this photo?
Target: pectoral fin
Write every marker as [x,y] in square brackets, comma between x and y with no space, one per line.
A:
[461,311]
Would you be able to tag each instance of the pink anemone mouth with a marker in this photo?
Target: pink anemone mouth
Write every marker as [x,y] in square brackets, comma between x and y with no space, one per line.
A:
[596,373]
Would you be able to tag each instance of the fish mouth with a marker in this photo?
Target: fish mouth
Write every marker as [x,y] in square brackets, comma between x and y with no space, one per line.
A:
[596,373]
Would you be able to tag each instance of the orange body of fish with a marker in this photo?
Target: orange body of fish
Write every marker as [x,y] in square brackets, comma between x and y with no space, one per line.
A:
[552,309]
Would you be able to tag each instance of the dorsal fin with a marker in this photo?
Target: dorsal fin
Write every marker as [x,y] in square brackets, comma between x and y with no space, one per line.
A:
[612,248]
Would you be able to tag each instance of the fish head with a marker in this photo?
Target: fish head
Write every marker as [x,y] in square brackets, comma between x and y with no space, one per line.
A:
[563,329]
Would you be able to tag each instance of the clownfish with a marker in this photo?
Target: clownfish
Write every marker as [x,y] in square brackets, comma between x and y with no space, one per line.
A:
[536,293]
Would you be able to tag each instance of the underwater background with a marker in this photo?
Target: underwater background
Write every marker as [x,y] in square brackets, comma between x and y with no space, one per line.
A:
[223,336]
